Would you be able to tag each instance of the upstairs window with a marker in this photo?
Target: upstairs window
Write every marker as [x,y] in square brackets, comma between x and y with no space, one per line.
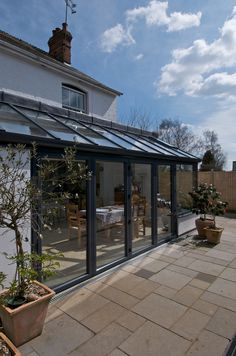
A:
[74,99]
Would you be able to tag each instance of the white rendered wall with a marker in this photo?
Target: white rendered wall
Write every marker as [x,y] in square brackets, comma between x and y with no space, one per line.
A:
[30,78]
[7,244]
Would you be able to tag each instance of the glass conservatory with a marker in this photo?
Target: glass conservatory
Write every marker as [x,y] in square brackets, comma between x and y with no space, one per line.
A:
[136,199]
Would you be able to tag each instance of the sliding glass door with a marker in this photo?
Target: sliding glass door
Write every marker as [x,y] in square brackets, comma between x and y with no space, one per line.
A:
[109,220]
[64,220]
[141,209]
[163,202]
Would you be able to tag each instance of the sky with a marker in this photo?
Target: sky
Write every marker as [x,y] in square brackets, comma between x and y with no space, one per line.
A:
[171,59]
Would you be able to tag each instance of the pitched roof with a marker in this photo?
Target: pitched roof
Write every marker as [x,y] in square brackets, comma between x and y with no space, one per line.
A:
[25,120]
[6,37]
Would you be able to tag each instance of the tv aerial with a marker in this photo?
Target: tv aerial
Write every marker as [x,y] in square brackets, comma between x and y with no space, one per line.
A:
[72,6]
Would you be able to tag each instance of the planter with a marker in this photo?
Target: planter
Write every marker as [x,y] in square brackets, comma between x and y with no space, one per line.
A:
[214,234]
[26,322]
[10,346]
[201,225]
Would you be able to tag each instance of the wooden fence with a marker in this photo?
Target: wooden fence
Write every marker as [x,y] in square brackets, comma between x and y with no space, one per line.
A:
[225,183]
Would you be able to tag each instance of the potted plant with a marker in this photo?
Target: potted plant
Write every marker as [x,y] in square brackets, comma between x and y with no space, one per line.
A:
[216,207]
[7,348]
[201,197]
[23,305]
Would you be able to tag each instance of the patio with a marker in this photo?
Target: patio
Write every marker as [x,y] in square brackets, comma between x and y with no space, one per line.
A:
[179,299]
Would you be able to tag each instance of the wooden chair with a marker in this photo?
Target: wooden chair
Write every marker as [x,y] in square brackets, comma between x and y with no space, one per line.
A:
[74,220]
[139,214]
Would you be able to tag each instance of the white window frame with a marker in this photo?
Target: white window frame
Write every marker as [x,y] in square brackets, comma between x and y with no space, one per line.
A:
[76,91]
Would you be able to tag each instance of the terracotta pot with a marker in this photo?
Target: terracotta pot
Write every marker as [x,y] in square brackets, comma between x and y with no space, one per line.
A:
[11,347]
[213,235]
[26,322]
[201,225]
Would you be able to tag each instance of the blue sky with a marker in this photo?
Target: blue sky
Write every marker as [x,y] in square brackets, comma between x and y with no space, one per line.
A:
[172,59]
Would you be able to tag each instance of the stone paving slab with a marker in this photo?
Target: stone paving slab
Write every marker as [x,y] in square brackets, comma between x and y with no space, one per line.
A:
[205,258]
[155,266]
[144,273]
[190,324]
[160,310]
[82,305]
[229,273]
[205,307]
[182,270]
[199,283]
[221,254]
[177,300]
[117,296]
[219,300]
[61,336]
[203,266]
[153,340]
[171,279]
[131,321]
[208,344]
[125,283]
[233,264]
[160,257]
[104,342]
[223,287]
[143,289]
[166,291]
[223,323]
[103,317]
[205,277]
[184,261]
[187,295]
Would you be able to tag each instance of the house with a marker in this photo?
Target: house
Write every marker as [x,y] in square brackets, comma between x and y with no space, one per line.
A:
[31,73]
[137,197]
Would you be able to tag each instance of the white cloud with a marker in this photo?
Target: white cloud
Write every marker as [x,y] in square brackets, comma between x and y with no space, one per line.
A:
[155,14]
[219,84]
[139,57]
[197,70]
[178,21]
[114,37]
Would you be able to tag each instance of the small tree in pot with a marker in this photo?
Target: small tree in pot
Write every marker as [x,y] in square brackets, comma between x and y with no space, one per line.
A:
[201,197]
[216,208]
[20,199]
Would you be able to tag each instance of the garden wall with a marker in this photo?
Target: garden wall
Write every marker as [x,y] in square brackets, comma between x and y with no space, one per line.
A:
[225,183]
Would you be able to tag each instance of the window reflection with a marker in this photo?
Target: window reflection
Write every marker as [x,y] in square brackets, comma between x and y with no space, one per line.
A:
[52,126]
[110,227]
[184,185]
[164,202]
[64,224]
[141,206]
[12,121]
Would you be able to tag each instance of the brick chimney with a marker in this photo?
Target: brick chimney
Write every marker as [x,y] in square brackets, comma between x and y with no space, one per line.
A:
[60,44]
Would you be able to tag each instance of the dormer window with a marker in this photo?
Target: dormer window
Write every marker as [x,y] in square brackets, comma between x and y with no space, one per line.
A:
[74,99]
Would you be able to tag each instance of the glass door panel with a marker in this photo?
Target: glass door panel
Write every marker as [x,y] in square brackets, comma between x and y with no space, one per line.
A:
[164,202]
[141,206]
[64,224]
[110,226]
[184,185]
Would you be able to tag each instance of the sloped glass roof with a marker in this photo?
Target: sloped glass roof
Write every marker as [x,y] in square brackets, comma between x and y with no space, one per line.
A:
[56,127]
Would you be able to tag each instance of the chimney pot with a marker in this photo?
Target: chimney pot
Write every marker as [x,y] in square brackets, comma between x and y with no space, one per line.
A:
[64,26]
